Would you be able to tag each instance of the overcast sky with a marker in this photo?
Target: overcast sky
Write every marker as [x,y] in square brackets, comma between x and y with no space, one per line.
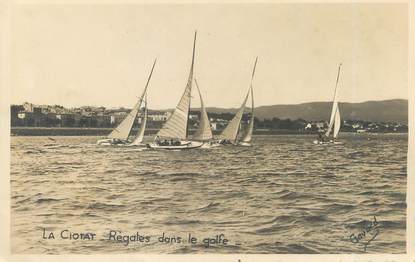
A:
[101,54]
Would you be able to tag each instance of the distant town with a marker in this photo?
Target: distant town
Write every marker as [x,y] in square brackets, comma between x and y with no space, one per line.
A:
[56,116]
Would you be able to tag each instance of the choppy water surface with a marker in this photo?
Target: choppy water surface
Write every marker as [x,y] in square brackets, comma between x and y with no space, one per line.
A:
[283,195]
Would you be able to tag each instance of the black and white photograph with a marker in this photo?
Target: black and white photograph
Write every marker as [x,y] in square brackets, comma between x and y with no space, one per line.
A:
[209,128]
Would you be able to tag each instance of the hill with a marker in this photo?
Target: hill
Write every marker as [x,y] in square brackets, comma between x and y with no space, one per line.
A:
[394,110]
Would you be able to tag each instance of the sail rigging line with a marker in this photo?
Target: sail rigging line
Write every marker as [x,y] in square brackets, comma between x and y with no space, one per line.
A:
[176,126]
[123,130]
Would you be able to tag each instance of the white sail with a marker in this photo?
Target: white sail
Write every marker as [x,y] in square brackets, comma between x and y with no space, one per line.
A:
[337,123]
[231,131]
[203,132]
[335,106]
[247,137]
[123,130]
[250,128]
[332,118]
[139,139]
[176,126]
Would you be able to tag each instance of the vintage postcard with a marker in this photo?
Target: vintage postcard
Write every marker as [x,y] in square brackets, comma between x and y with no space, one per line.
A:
[278,128]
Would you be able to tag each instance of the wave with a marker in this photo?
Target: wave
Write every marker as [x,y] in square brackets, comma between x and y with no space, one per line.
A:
[300,249]
[357,155]
[392,224]
[106,207]
[339,207]
[181,174]
[53,146]
[35,151]
[282,219]
[275,228]
[293,195]
[25,200]
[177,221]
[47,200]
[207,207]
[398,205]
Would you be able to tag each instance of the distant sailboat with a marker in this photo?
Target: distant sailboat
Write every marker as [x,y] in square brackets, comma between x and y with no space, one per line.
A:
[247,136]
[174,133]
[230,134]
[120,134]
[204,131]
[335,119]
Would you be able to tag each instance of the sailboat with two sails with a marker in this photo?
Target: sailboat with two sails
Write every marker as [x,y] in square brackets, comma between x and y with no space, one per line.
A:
[120,135]
[330,136]
[174,134]
[230,134]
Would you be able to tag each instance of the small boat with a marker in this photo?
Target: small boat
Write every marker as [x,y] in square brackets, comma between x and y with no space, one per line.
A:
[335,121]
[229,135]
[174,133]
[120,135]
[174,145]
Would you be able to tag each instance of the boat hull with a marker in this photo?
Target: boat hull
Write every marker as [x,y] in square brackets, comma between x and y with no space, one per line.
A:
[111,142]
[226,142]
[184,145]
[136,145]
[331,142]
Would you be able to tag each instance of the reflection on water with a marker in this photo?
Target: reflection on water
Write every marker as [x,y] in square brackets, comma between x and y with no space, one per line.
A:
[283,195]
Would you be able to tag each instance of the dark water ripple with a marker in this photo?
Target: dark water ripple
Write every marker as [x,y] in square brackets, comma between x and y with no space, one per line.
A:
[283,195]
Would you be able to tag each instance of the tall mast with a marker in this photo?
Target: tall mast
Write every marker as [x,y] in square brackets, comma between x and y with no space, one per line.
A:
[144,95]
[148,80]
[189,83]
[253,71]
[337,81]
[252,91]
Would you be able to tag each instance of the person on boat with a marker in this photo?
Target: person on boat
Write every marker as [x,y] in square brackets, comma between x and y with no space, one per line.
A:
[225,142]
[157,140]
[321,137]
[117,141]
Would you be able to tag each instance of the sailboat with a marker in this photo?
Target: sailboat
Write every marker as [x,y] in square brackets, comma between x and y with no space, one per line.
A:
[230,134]
[247,136]
[329,137]
[120,135]
[174,133]
[204,131]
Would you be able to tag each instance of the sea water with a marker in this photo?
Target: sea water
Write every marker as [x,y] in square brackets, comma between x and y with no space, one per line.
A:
[282,195]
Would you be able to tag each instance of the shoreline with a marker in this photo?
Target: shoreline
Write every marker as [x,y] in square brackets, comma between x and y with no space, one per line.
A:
[86,131]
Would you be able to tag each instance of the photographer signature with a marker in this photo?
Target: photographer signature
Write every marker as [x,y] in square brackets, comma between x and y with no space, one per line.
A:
[373,226]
